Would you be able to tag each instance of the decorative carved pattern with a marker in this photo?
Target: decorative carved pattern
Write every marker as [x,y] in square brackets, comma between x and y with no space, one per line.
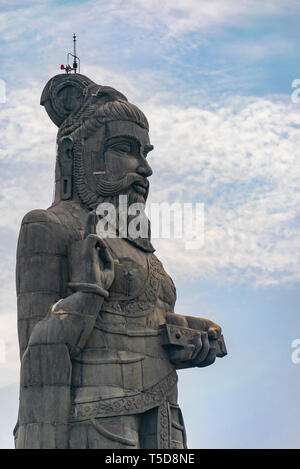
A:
[163,426]
[144,303]
[141,402]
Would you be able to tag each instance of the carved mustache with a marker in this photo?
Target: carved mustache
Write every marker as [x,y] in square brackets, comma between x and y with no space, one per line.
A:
[108,188]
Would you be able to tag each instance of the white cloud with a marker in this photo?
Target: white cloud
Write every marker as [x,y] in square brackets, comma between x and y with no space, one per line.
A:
[183,16]
[9,362]
[241,160]
[257,50]
[170,17]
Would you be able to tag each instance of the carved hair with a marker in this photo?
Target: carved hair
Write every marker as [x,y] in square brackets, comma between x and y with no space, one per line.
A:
[110,111]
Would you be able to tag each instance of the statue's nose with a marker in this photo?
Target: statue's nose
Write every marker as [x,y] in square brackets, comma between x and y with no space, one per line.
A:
[144,168]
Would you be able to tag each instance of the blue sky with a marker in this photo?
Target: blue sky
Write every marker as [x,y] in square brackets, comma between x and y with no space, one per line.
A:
[214,79]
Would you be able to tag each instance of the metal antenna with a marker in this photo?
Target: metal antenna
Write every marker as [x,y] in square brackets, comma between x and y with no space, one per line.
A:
[68,67]
[75,58]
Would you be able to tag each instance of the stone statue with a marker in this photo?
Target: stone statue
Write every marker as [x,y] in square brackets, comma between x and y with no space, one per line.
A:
[99,340]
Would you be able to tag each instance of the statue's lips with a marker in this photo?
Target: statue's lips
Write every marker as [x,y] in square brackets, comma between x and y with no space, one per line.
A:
[141,186]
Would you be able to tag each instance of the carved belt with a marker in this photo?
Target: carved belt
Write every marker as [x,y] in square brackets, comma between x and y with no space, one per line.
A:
[136,404]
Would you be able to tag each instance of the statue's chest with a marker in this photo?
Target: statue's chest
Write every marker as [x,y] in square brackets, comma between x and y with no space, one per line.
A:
[140,282]
[130,278]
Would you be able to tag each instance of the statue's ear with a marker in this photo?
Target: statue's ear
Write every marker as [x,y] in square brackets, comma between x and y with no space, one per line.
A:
[65,160]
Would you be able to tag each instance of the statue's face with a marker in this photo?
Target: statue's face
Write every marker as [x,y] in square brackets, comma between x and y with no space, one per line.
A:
[126,147]
[120,163]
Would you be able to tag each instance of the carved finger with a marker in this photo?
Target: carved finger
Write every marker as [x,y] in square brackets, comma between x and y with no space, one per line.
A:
[210,359]
[204,325]
[197,342]
[204,350]
[91,242]
[214,332]
[105,255]
[90,225]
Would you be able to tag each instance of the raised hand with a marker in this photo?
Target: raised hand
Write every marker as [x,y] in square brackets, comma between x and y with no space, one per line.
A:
[92,267]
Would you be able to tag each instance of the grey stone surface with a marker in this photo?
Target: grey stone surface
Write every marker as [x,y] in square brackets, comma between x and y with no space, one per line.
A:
[100,342]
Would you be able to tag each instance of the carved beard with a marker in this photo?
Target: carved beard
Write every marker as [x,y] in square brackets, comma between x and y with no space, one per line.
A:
[132,197]
[107,188]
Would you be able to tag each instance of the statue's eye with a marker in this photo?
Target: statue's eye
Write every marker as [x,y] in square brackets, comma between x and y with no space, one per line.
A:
[122,147]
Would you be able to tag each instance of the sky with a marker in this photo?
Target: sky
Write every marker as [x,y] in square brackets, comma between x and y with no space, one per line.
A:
[214,79]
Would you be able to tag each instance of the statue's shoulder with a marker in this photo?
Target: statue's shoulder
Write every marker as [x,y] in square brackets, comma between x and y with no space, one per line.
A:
[42,232]
[40,227]
[40,216]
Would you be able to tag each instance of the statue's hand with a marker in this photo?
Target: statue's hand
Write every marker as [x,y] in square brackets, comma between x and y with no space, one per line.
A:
[91,263]
[193,341]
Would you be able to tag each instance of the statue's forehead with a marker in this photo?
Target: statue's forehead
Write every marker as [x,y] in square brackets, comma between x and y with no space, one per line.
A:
[129,129]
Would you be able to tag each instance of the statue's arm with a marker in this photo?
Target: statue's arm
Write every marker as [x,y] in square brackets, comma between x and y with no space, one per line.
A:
[41,270]
[57,274]
[63,322]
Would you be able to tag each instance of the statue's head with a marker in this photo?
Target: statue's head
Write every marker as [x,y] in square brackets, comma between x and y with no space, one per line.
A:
[102,141]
